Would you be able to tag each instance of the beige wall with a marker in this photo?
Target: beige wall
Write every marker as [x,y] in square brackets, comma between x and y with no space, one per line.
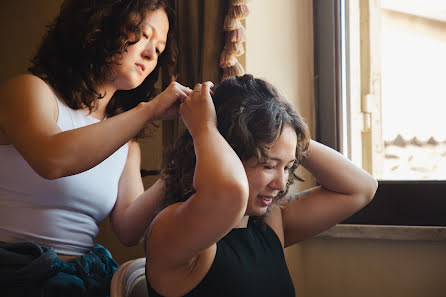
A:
[371,268]
[22,24]
[279,48]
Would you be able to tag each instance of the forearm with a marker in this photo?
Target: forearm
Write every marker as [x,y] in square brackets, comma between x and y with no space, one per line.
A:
[344,189]
[219,177]
[131,223]
[74,151]
[28,119]
[336,173]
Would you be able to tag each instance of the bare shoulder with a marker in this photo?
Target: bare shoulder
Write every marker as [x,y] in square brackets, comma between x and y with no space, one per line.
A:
[25,90]
[160,271]
[279,217]
[25,100]
[163,231]
[24,82]
[154,236]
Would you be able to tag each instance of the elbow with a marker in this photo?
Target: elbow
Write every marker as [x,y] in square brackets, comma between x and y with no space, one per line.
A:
[368,191]
[373,186]
[49,172]
[125,236]
[238,194]
[125,229]
[129,242]
[230,198]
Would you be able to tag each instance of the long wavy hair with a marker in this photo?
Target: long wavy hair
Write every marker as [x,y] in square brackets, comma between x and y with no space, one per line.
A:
[251,115]
[76,54]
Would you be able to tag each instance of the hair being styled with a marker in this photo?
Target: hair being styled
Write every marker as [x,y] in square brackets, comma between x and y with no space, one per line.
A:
[251,115]
[76,55]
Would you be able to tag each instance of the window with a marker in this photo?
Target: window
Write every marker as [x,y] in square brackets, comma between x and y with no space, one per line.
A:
[378,82]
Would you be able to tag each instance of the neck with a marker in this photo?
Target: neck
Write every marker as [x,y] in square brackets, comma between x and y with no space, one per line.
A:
[101,104]
[243,222]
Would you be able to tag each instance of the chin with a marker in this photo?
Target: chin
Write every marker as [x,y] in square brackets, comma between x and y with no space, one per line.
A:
[126,87]
[130,83]
[258,211]
[134,84]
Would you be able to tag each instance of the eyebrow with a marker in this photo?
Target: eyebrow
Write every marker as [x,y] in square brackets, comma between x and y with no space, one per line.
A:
[280,160]
[154,29]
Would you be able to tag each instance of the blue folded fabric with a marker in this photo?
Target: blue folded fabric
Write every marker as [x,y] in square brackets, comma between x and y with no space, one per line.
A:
[28,269]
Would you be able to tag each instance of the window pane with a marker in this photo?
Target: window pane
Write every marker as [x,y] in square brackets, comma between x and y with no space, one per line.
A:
[413,69]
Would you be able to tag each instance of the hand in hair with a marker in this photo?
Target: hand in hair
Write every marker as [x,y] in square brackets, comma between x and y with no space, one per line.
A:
[167,104]
[198,111]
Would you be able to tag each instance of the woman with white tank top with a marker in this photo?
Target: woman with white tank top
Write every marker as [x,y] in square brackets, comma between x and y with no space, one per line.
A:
[67,151]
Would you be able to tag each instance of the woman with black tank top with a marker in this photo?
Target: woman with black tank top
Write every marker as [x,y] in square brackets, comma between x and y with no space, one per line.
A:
[227,213]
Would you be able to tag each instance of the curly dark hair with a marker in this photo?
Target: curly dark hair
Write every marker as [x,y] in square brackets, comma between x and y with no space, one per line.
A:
[76,54]
[251,115]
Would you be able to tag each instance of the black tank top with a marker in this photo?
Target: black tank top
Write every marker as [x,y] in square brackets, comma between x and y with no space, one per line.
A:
[248,262]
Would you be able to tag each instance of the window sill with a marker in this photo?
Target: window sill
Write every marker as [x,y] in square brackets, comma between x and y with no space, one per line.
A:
[384,232]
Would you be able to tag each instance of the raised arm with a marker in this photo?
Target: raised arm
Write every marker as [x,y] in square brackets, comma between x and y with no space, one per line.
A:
[28,116]
[344,189]
[182,231]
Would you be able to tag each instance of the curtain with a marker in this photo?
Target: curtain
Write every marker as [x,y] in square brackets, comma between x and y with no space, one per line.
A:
[201,38]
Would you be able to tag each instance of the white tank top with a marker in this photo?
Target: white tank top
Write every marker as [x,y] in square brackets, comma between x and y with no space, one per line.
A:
[63,213]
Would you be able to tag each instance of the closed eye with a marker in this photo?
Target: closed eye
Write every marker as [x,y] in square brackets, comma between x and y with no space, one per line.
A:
[161,47]
[293,166]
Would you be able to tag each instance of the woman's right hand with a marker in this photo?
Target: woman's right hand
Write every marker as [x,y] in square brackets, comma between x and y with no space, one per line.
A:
[198,110]
[166,105]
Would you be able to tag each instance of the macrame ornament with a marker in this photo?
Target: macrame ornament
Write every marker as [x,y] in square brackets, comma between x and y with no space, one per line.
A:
[227,59]
[231,23]
[235,36]
[238,11]
[235,48]
[238,2]
[234,70]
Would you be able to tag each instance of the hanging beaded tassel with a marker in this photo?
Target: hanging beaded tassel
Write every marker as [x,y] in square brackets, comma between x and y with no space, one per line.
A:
[235,36]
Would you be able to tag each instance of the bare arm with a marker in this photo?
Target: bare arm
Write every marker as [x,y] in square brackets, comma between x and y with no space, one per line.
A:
[135,208]
[183,231]
[28,117]
[344,189]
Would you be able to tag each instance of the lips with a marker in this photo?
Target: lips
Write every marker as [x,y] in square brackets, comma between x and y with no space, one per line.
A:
[141,66]
[265,200]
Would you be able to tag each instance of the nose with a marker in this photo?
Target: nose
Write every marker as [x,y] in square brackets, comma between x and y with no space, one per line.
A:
[280,180]
[149,52]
